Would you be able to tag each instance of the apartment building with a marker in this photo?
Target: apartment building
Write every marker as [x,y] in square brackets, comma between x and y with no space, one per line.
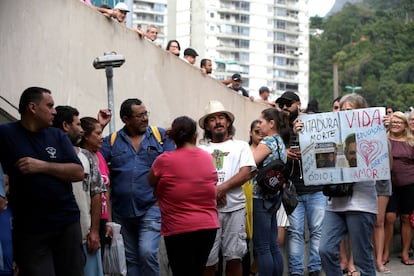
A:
[266,41]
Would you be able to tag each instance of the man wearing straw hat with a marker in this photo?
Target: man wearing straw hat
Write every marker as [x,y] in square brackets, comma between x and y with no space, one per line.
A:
[234,162]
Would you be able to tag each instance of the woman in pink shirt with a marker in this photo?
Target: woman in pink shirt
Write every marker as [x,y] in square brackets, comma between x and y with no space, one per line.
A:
[184,182]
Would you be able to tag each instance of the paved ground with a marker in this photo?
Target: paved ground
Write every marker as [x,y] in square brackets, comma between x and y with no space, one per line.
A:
[395,265]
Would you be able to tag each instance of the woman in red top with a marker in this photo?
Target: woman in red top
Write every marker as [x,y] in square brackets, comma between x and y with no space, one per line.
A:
[401,201]
[184,182]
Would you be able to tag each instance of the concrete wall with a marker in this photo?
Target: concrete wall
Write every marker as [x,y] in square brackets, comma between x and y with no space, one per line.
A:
[52,44]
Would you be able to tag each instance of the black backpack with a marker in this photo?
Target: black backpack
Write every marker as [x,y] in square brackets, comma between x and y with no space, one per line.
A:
[272,177]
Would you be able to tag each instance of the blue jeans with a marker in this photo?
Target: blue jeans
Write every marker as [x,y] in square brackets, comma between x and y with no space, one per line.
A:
[359,226]
[269,257]
[312,206]
[141,239]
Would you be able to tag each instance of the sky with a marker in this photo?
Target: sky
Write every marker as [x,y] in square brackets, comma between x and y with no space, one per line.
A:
[320,7]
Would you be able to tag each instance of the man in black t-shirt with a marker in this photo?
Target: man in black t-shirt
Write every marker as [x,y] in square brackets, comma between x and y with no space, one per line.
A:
[41,164]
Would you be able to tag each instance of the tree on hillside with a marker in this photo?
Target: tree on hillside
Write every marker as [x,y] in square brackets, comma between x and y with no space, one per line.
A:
[372,44]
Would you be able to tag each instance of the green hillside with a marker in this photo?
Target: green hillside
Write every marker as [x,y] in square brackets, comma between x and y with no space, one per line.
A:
[373,45]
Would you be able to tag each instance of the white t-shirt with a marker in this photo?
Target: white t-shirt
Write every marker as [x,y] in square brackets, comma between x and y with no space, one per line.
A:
[228,158]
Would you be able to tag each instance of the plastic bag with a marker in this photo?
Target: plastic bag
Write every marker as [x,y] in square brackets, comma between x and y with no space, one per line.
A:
[114,262]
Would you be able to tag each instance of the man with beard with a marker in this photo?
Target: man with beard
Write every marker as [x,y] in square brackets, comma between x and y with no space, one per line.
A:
[130,153]
[234,162]
[87,192]
[206,66]
[311,201]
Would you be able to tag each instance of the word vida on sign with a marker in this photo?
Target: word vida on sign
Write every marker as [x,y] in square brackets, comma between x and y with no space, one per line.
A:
[362,118]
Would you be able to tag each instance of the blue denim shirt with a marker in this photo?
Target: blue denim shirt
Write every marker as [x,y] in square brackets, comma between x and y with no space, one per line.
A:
[131,195]
[2,183]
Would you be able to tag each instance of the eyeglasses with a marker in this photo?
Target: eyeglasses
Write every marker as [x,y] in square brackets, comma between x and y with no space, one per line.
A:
[257,132]
[336,107]
[289,104]
[397,123]
[141,115]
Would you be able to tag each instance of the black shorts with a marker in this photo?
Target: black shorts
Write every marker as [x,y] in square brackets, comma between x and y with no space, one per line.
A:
[401,200]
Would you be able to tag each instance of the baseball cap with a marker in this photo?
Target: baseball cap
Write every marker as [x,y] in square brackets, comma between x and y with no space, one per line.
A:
[190,52]
[122,7]
[236,77]
[288,96]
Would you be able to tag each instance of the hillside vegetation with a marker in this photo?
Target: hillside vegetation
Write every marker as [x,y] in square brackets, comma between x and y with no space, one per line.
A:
[373,45]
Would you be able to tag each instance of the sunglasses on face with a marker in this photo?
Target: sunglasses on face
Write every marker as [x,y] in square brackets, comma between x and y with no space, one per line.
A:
[289,104]
[336,107]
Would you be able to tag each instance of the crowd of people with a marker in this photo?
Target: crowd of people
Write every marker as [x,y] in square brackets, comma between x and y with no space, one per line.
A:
[62,184]
[67,183]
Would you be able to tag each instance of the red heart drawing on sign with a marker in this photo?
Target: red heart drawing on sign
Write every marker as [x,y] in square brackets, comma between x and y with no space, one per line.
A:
[369,150]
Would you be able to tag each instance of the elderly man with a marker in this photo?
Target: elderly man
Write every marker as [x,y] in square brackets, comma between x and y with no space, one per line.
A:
[41,164]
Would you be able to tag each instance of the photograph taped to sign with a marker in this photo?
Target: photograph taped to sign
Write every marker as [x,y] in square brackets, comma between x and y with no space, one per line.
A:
[346,146]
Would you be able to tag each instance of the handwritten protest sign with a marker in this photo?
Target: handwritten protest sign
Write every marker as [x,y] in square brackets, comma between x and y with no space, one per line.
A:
[345,146]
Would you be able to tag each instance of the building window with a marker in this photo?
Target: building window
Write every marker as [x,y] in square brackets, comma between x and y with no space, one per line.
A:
[159,7]
[211,15]
[245,70]
[244,44]
[280,49]
[292,86]
[159,18]
[281,85]
[280,36]
[245,19]
[281,12]
[244,57]
[280,73]
[280,61]
[280,24]
[244,31]
[244,6]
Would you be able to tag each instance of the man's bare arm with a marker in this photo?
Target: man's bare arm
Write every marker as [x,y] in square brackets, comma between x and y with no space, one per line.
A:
[236,181]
